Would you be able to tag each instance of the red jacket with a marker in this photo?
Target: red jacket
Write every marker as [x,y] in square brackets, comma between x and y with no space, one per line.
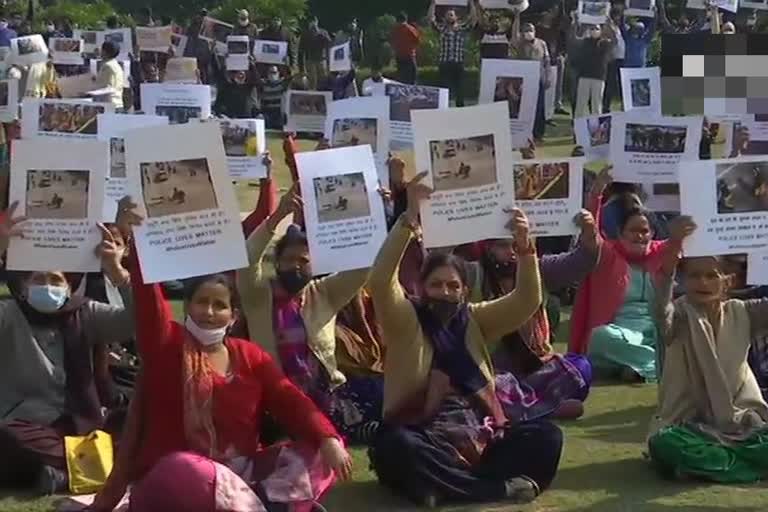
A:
[405,39]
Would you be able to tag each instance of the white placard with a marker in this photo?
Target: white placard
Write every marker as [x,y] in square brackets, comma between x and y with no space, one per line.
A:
[9,100]
[112,128]
[510,5]
[238,53]
[307,110]
[154,39]
[360,121]
[650,148]
[516,82]
[641,8]
[121,37]
[728,200]
[181,70]
[641,90]
[95,65]
[192,219]
[593,13]
[593,134]
[550,94]
[245,142]
[346,224]
[760,6]
[403,99]
[339,58]
[550,192]
[90,40]
[661,197]
[179,43]
[461,7]
[74,119]
[29,50]
[728,5]
[217,31]
[757,268]
[75,86]
[66,50]
[180,102]
[757,126]
[59,185]
[271,52]
[468,154]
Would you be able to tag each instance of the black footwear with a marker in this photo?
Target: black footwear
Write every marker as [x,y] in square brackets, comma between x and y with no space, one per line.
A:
[51,481]
[521,490]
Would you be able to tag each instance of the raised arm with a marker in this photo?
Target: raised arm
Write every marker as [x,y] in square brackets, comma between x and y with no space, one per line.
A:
[661,15]
[432,17]
[473,18]
[267,203]
[650,29]
[514,32]
[559,271]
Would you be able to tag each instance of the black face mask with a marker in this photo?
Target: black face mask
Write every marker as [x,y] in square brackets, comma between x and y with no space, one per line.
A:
[293,281]
[443,309]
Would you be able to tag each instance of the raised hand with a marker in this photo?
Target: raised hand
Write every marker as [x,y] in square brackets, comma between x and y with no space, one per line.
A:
[9,226]
[519,226]
[111,251]
[417,192]
[127,217]
[604,178]
[290,203]
[681,228]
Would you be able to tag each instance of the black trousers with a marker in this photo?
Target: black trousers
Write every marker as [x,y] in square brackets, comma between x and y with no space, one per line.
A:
[408,463]
[407,70]
[612,84]
[540,123]
[452,77]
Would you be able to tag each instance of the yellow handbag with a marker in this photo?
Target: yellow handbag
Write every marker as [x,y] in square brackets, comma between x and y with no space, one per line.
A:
[89,461]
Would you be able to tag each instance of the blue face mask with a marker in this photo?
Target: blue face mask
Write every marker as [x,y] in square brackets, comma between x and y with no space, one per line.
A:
[46,298]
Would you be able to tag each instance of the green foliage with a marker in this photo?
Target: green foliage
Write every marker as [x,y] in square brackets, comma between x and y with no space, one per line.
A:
[261,9]
[87,15]
[378,52]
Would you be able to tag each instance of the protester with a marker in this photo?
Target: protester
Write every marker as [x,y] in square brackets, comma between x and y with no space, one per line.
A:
[616,59]
[638,35]
[199,48]
[453,40]
[275,31]
[342,84]
[111,76]
[244,27]
[271,92]
[6,33]
[526,46]
[353,35]
[550,30]
[440,405]
[49,382]
[495,36]
[711,420]
[405,40]
[590,56]
[376,78]
[237,95]
[313,52]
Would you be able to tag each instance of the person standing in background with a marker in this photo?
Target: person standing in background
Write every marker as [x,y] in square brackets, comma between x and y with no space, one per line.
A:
[495,35]
[111,75]
[590,56]
[613,79]
[244,27]
[354,36]
[405,39]
[313,52]
[6,33]
[526,46]
[637,38]
[275,31]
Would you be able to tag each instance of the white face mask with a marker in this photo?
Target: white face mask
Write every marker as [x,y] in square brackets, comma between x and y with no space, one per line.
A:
[51,28]
[529,36]
[206,337]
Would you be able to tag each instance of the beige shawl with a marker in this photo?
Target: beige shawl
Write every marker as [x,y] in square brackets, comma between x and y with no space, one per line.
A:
[707,379]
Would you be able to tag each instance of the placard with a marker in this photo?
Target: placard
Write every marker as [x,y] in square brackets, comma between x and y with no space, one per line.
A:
[181,70]
[460,7]
[59,185]
[340,59]
[662,197]
[238,53]
[271,52]
[112,128]
[593,134]
[358,122]
[179,43]
[728,5]
[121,37]
[728,200]
[9,100]
[507,5]
[550,94]
[515,82]
[29,50]
[468,155]
[760,6]
[403,99]
[245,142]
[179,102]
[75,86]
[154,39]
[73,119]
[593,13]
[343,210]
[66,50]
[641,90]
[216,31]
[650,148]
[757,269]
[192,219]
[641,8]
[307,111]
[90,40]
[756,126]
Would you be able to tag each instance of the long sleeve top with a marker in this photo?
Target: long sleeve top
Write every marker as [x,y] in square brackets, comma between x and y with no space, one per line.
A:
[636,54]
[112,77]
[313,46]
[409,353]
[405,40]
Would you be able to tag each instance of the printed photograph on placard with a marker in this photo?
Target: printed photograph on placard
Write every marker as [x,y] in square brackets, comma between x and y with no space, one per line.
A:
[463,163]
[599,130]
[4,92]
[239,140]
[641,92]
[273,49]
[89,37]
[339,53]
[177,187]
[117,157]
[666,189]
[462,11]
[742,187]
[541,181]
[215,30]
[404,98]
[341,197]
[117,38]
[66,45]
[69,118]
[307,105]
[355,132]
[29,45]
[237,47]
[510,89]
[57,194]
[648,138]
[178,115]
[597,9]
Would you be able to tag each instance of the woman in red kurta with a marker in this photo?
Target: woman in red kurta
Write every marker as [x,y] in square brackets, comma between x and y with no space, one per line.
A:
[202,396]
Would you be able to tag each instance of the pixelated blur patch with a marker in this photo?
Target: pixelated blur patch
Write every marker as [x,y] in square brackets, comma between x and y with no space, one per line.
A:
[714,74]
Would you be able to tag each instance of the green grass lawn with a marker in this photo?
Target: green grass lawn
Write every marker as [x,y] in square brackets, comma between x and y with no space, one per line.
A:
[603,468]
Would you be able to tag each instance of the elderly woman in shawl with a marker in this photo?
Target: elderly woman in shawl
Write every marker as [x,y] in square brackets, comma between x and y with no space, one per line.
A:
[712,421]
[446,435]
[51,385]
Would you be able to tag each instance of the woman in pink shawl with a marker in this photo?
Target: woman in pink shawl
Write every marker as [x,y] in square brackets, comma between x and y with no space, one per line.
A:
[612,317]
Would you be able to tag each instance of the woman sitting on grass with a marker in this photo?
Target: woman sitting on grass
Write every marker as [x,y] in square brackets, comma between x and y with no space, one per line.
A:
[712,421]
[51,384]
[203,394]
[446,436]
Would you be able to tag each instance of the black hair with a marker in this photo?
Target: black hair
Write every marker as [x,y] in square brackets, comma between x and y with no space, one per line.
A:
[618,188]
[402,17]
[626,215]
[719,261]
[192,285]
[437,260]
[110,50]
[294,236]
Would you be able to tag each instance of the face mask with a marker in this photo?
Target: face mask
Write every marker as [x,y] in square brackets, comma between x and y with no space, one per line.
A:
[274,77]
[206,337]
[3,25]
[51,28]
[443,309]
[293,281]
[595,34]
[529,36]
[244,23]
[46,298]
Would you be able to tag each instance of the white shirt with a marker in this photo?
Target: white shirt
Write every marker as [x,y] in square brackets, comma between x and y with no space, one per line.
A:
[112,76]
[619,51]
[369,85]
